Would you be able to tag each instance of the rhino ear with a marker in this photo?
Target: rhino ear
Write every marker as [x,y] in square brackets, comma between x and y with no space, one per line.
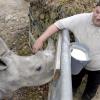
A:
[50,45]
[3,47]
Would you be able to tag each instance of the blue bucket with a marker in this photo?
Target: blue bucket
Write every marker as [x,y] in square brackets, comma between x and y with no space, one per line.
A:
[79,57]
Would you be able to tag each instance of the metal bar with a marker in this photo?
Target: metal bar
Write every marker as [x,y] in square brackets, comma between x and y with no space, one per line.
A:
[54,91]
[66,84]
[61,89]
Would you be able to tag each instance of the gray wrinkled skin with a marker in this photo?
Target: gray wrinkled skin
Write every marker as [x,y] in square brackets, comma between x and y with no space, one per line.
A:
[18,71]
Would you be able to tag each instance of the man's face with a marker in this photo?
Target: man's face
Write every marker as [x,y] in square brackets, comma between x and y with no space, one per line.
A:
[96,16]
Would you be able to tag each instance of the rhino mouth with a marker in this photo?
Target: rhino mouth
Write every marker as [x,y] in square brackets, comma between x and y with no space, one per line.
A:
[3,65]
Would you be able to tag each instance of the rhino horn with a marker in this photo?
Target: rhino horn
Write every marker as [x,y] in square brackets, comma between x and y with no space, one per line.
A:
[50,45]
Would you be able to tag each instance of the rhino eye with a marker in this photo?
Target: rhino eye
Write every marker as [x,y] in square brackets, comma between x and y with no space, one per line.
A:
[39,68]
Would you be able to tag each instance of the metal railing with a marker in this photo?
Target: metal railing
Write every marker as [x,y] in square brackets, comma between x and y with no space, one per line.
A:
[61,86]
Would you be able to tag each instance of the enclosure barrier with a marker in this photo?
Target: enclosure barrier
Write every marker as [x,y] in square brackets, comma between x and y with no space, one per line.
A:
[61,86]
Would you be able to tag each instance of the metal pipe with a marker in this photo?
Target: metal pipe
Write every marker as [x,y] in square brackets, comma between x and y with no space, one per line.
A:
[61,89]
[66,84]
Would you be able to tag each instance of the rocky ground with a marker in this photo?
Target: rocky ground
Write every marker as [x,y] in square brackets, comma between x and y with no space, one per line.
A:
[13,22]
[14,30]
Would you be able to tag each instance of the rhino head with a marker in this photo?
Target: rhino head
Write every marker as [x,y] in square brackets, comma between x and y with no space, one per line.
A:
[18,71]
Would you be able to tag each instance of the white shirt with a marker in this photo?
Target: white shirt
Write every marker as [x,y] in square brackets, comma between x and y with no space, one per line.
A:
[86,33]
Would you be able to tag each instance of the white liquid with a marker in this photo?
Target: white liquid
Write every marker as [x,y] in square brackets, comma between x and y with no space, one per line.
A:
[79,55]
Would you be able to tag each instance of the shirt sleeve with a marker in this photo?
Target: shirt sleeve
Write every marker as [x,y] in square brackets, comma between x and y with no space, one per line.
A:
[69,23]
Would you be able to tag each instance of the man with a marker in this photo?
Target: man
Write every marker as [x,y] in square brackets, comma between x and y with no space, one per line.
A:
[86,28]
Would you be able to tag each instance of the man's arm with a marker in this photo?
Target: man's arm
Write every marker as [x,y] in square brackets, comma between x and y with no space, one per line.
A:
[39,42]
[69,23]
[50,30]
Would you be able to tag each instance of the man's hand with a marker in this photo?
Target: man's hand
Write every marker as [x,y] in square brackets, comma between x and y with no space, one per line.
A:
[39,42]
[37,45]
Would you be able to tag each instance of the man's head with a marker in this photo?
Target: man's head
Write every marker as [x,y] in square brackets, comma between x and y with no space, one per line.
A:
[96,15]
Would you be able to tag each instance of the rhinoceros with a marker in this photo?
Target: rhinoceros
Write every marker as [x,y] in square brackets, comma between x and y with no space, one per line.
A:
[18,71]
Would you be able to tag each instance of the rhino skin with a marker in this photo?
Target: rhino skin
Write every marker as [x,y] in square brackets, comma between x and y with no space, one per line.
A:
[19,71]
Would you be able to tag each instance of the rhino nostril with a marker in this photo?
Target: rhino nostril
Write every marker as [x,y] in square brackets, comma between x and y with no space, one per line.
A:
[39,68]
[2,94]
[2,63]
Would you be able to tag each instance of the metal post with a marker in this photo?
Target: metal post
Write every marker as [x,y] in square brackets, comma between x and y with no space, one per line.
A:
[61,89]
[66,84]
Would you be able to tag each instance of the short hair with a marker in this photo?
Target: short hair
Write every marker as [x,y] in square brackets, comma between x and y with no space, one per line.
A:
[98,3]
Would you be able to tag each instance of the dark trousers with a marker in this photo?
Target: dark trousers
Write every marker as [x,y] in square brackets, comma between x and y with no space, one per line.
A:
[93,81]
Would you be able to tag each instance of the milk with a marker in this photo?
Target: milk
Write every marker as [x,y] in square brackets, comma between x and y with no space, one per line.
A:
[79,54]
